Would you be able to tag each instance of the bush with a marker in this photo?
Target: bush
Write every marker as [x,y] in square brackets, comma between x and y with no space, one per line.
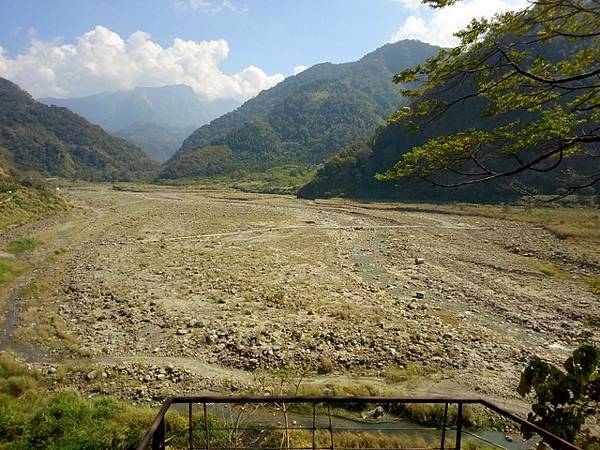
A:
[325,366]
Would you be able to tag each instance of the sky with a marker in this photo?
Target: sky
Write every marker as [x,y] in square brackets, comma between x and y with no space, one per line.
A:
[221,48]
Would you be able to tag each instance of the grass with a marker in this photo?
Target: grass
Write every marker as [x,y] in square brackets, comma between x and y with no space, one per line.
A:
[595,286]
[358,440]
[45,327]
[285,179]
[33,418]
[10,269]
[411,372]
[19,246]
[25,205]
[343,439]
[549,270]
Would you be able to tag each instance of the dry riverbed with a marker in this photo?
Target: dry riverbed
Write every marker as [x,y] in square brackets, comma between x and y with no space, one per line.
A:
[154,293]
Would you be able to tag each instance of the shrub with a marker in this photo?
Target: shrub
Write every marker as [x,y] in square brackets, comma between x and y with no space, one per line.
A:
[325,366]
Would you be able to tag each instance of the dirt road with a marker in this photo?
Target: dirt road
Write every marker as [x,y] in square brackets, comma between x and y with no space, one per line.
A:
[222,287]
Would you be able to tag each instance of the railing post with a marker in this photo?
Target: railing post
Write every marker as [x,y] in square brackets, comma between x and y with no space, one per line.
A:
[330,426]
[444,424]
[313,426]
[459,424]
[158,440]
[206,435]
[190,426]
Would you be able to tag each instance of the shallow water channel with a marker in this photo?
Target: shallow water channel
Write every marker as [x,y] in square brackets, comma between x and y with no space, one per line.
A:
[267,419]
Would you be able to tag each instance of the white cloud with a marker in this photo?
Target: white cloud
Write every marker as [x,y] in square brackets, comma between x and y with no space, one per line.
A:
[438,26]
[100,60]
[299,69]
[207,6]
[410,4]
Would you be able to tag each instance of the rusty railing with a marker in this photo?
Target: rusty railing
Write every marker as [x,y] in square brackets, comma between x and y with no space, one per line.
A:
[228,423]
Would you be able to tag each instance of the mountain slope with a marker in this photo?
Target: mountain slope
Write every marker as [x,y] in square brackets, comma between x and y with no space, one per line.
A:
[351,173]
[158,142]
[312,115]
[56,141]
[155,118]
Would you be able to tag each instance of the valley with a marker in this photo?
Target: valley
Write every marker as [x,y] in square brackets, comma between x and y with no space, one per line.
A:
[148,292]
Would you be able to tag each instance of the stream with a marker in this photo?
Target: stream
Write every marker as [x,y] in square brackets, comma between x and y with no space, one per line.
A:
[263,418]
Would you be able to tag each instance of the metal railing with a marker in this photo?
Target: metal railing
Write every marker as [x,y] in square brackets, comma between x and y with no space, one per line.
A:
[242,428]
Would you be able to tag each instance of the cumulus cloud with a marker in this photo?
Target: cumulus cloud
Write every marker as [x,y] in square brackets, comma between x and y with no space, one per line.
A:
[410,4]
[299,69]
[207,6]
[438,26]
[100,60]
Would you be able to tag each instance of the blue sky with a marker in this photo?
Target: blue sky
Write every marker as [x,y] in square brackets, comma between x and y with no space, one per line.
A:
[275,35]
[224,48]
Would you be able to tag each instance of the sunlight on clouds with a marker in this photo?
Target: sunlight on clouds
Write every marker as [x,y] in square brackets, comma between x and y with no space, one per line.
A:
[299,69]
[100,60]
[438,26]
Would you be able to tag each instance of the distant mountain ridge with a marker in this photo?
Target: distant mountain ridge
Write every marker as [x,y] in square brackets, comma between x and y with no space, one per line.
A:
[55,141]
[307,117]
[155,118]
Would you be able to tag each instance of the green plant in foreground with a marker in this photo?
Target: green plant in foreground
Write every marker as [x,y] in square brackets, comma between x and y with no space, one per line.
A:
[32,418]
[22,245]
[564,399]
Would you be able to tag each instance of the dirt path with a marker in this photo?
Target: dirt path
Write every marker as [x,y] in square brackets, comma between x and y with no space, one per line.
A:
[229,286]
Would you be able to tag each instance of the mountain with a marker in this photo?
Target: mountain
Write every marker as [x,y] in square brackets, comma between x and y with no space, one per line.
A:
[55,141]
[351,173]
[155,118]
[159,142]
[306,117]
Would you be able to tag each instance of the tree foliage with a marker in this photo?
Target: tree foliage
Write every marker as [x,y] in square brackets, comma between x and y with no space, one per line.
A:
[538,72]
[563,398]
[201,162]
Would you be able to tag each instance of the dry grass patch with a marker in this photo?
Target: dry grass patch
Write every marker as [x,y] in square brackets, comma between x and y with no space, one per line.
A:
[549,270]
[595,286]
[42,326]
[411,373]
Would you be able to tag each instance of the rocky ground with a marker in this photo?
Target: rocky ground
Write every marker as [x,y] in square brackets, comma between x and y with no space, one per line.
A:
[171,292]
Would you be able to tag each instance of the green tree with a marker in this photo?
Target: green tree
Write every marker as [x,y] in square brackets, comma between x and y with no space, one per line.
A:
[537,71]
[563,398]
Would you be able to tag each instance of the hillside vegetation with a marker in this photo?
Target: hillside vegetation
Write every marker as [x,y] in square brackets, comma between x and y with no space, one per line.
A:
[57,142]
[24,197]
[158,142]
[308,117]
[31,417]
[460,131]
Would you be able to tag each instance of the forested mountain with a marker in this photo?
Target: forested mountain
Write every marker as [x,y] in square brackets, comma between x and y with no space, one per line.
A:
[306,117]
[155,118]
[55,141]
[158,142]
[351,173]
